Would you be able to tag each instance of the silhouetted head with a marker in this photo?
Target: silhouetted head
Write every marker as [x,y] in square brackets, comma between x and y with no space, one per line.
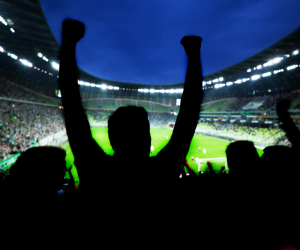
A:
[241,157]
[41,168]
[129,131]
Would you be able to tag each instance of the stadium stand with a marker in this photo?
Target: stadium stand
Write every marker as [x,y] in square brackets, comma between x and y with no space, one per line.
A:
[237,205]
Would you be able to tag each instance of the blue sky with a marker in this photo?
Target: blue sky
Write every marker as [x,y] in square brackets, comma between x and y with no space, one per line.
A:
[138,41]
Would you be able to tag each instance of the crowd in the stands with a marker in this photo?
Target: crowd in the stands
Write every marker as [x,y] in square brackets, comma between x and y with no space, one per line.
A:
[22,124]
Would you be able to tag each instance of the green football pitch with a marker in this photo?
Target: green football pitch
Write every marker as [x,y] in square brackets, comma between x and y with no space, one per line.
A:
[215,149]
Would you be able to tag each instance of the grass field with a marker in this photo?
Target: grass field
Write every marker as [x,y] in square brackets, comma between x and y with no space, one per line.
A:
[215,148]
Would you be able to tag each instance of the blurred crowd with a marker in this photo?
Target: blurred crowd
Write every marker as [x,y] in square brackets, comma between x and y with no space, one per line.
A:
[22,124]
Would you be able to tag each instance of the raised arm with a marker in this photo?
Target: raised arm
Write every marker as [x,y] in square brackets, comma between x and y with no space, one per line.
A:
[191,99]
[77,125]
[289,127]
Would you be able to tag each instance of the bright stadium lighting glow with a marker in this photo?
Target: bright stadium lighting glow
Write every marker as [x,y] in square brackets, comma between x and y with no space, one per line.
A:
[255,77]
[172,91]
[13,56]
[103,86]
[248,70]
[245,79]
[151,90]
[25,62]
[55,65]
[287,55]
[229,83]
[292,67]
[140,90]
[266,74]
[216,80]
[296,52]
[209,82]
[110,87]
[81,82]
[87,84]
[1,49]
[221,79]
[273,61]
[177,90]
[93,85]
[146,90]
[3,21]
[259,67]
[12,30]
[40,55]
[116,88]
[156,91]
[167,91]
[45,59]
[278,71]
[238,81]
[162,91]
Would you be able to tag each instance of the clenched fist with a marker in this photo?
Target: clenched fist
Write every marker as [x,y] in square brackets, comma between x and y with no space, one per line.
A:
[282,106]
[72,31]
[191,44]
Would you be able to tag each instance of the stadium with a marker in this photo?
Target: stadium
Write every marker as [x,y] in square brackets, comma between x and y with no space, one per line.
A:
[239,102]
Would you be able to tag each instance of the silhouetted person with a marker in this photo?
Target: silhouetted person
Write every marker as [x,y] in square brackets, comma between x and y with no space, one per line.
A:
[35,214]
[127,192]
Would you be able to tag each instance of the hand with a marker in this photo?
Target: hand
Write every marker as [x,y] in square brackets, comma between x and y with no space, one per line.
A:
[72,31]
[282,106]
[191,45]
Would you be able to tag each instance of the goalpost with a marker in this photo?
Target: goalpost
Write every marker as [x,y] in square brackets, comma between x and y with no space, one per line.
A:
[216,162]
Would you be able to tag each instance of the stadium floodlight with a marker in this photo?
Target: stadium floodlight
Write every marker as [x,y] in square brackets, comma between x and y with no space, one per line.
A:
[162,91]
[116,88]
[12,30]
[167,91]
[217,86]
[248,70]
[209,82]
[172,91]
[1,49]
[93,85]
[215,80]
[3,21]
[287,55]
[238,81]
[87,84]
[40,55]
[25,62]
[110,87]
[259,67]
[296,52]
[221,79]
[229,83]
[292,67]
[45,59]
[98,86]
[245,79]
[278,71]
[266,74]
[146,90]
[273,61]
[255,77]
[156,91]
[103,86]
[13,56]
[81,82]
[55,65]
[151,90]
[140,90]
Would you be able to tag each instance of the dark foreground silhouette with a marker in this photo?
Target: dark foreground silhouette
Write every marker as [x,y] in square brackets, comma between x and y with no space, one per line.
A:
[128,193]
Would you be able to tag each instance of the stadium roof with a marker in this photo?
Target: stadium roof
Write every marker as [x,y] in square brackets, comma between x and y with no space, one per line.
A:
[27,33]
